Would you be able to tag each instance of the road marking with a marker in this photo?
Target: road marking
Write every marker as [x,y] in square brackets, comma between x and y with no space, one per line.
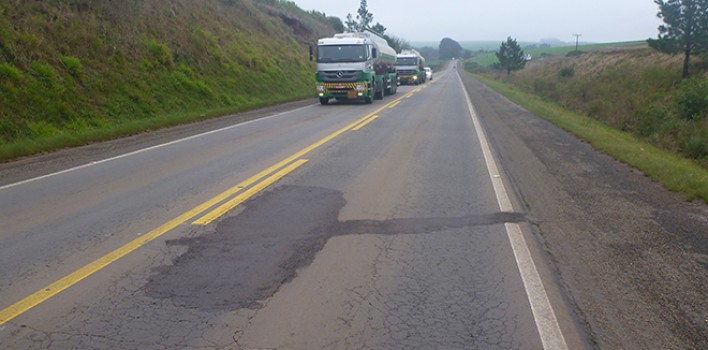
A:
[143,150]
[222,209]
[394,104]
[546,321]
[358,127]
[71,279]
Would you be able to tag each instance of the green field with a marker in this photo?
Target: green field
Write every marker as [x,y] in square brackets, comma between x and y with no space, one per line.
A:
[490,58]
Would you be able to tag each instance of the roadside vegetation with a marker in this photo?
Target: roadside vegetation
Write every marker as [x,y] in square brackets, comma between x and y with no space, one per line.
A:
[632,104]
[81,71]
[488,57]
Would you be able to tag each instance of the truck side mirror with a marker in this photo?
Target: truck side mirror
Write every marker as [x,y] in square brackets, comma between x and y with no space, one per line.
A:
[311,53]
[374,53]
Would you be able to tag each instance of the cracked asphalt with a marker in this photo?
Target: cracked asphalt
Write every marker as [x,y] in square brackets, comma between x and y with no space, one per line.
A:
[389,237]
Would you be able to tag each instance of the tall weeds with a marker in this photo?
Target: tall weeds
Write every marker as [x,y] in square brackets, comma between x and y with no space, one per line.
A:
[637,91]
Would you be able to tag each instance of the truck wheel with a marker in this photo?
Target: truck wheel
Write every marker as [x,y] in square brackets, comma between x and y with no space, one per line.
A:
[324,100]
[368,100]
[379,94]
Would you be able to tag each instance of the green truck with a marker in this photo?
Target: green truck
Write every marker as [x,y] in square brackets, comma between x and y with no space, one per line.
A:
[354,66]
[411,67]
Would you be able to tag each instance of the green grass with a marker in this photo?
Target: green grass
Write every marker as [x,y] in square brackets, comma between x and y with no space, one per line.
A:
[674,172]
[490,58]
[78,72]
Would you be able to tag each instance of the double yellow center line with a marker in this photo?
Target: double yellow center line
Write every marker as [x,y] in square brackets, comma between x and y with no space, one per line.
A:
[271,175]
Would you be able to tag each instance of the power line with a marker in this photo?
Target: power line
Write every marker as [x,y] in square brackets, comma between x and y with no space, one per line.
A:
[576,40]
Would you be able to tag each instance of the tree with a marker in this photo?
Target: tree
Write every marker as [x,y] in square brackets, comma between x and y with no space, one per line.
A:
[685,29]
[430,53]
[379,28]
[396,43]
[336,23]
[363,19]
[449,49]
[510,56]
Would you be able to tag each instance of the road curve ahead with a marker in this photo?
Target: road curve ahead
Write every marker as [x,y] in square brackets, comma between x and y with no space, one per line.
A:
[346,226]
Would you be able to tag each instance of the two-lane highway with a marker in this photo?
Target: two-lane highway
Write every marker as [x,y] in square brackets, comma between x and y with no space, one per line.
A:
[347,226]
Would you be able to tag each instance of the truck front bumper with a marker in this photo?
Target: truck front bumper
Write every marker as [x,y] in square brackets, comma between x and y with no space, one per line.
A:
[343,90]
[408,79]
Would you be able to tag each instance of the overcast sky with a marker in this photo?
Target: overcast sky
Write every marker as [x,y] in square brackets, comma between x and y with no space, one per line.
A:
[526,20]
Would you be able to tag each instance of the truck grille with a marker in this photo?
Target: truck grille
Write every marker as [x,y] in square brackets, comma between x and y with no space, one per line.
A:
[340,76]
[406,71]
[342,88]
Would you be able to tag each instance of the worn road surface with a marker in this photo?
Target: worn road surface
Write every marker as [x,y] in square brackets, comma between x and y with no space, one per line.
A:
[443,217]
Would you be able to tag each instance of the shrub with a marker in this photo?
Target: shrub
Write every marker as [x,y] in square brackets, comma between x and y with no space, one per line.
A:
[473,67]
[44,72]
[696,147]
[39,129]
[567,72]
[72,65]
[10,72]
[691,101]
[159,53]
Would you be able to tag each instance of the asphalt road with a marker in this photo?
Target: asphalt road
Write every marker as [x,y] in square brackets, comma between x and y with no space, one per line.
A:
[348,226]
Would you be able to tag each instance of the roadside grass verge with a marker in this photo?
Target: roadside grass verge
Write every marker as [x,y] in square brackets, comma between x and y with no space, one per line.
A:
[672,171]
[104,130]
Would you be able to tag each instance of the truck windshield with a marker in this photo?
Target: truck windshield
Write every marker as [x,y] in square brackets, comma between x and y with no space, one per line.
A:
[341,53]
[407,61]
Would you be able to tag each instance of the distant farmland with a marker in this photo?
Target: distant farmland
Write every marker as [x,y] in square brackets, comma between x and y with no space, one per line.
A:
[490,58]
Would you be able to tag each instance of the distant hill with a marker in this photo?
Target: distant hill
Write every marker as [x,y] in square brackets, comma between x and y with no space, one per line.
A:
[73,67]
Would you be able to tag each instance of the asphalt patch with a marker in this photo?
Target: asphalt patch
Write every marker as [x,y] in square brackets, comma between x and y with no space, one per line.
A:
[251,254]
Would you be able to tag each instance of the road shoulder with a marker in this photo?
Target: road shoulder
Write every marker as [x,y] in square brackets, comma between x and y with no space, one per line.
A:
[631,255]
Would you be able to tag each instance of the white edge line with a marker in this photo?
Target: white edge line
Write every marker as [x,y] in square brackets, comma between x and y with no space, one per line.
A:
[146,149]
[546,321]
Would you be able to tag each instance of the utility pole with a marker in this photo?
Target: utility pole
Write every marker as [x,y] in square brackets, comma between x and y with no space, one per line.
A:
[576,41]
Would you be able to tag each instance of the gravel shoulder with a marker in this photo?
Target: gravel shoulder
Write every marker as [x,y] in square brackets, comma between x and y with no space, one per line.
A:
[631,255]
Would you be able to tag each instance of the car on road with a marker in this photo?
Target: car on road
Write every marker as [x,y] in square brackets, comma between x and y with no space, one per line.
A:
[428,73]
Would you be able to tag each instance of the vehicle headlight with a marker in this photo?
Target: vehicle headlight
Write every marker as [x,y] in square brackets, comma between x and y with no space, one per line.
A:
[415,77]
[360,87]
[320,88]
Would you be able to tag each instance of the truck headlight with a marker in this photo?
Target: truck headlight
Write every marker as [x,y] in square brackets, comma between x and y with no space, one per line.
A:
[320,88]
[360,87]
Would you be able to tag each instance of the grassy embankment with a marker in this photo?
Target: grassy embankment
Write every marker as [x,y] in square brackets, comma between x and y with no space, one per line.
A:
[81,71]
[629,104]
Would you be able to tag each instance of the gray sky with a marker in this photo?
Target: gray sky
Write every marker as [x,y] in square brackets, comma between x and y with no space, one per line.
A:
[526,20]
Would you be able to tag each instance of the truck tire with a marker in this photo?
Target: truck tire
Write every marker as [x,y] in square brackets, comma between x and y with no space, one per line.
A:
[324,100]
[379,93]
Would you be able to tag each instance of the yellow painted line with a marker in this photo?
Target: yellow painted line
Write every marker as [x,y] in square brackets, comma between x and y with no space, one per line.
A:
[69,280]
[358,127]
[49,291]
[394,104]
[222,209]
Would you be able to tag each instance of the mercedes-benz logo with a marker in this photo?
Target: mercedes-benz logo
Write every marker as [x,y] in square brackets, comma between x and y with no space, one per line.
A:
[340,74]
